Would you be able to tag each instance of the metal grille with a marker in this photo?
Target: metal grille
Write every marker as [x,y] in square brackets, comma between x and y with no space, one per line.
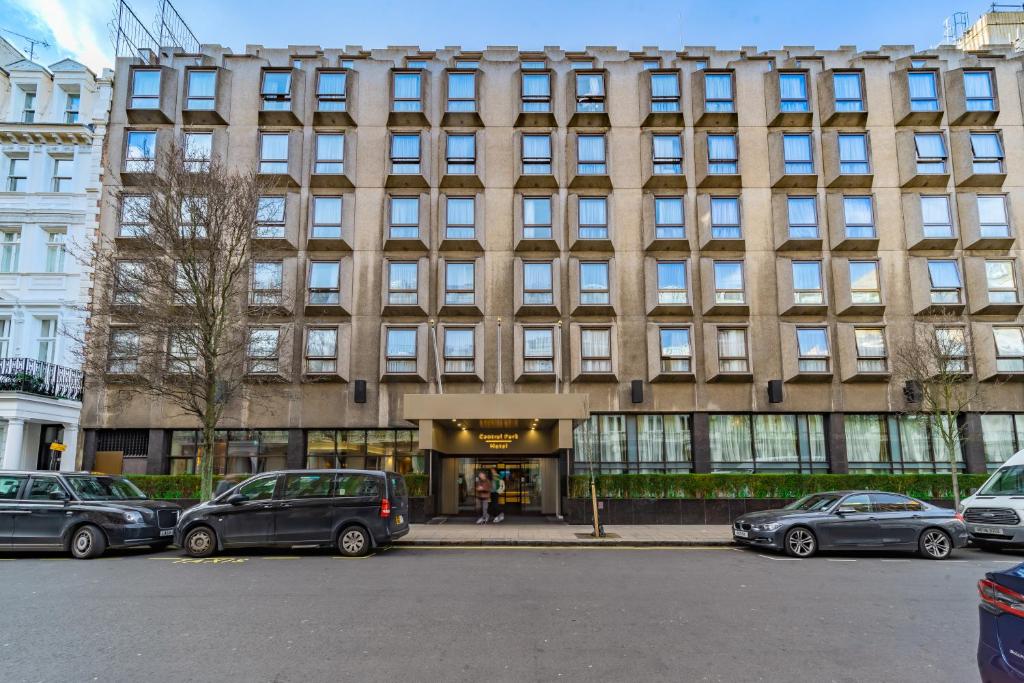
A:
[167,518]
[36,377]
[1003,516]
[131,442]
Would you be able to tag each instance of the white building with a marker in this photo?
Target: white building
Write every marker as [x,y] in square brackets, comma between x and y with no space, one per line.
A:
[52,123]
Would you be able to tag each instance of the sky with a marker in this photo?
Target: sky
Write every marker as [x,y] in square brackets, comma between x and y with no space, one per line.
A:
[81,28]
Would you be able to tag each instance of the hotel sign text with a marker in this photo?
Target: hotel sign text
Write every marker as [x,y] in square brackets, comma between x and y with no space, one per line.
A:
[497,441]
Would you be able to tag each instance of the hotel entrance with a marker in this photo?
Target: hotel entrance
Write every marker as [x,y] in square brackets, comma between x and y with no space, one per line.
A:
[524,484]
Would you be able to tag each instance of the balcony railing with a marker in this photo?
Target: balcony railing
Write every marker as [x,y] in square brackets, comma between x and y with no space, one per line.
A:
[37,377]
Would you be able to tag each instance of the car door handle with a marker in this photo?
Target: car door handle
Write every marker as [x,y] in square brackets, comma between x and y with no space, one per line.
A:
[285,505]
[267,506]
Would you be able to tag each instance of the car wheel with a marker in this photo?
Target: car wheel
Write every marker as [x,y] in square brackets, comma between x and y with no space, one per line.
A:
[200,542]
[353,542]
[800,542]
[936,544]
[87,542]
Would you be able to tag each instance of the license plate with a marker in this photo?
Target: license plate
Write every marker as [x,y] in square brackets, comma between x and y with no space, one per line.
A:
[167,532]
[988,530]
[741,534]
[398,519]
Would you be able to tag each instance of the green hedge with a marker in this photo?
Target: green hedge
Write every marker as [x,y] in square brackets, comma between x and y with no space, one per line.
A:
[175,486]
[766,485]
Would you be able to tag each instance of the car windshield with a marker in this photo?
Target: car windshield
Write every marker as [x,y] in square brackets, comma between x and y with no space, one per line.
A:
[105,488]
[1008,481]
[813,502]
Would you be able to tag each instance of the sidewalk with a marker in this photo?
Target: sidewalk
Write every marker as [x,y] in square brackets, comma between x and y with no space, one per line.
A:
[565,535]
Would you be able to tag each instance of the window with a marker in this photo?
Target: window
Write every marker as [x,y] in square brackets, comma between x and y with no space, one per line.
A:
[537,154]
[807,284]
[923,91]
[672,282]
[327,217]
[536,91]
[537,283]
[145,89]
[796,151]
[853,154]
[668,155]
[945,281]
[406,87]
[849,95]
[859,216]
[134,215]
[931,152]
[461,91]
[1002,438]
[55,250]
[992,216]
[590,155]
[187,279]
[675,349]
[10,245]
[767,443]
[951,348]
[276,90]
[865,286]
[987,149]
[651,64]
[324,283]
[307,486]
[127,282]
[63,171]
[72,105]
[936,220]
[812,347]
[17,176]
[661,443]
[538,350]
[416,63]
[1009,348]
[533,64]
[871,353]
[405,218]
[123,352]
[460,153]
[732,350]
[793,92]
[458,350]
[802,213]
[140,151]
[718,96]
[331,91]
[182,353]
[725,218]
[664,92]
[405,153]
[273,153]
[589,92]
[461,218]
[200,90]
[321,350]
[402,283]
[729,282]
[723,159]
[594,283]
[198,152]
[978,91]
[593,218]
[459,279]
[582,64]
[669,222]
[537,218]
[1002,282]
[5,337]
[270,217]
[595,350]
[47,340]
[330,153]
[400,353]
[28,109]
[267,283]
[193,218]
[262,350]
[467,64]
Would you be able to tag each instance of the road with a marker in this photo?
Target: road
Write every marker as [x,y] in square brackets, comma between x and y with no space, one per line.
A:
[497,614]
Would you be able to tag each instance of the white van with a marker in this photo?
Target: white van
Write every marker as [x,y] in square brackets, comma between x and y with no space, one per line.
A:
[995,514]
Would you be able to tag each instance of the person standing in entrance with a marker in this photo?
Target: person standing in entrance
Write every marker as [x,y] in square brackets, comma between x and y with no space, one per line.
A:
[482,489]
[497,488]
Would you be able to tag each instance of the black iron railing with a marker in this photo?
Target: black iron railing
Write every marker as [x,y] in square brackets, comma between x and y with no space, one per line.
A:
[37,377]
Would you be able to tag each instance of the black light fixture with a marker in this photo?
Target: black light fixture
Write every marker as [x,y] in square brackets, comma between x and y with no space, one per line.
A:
[360,391]
[637,391]
[913,392]
[775,391]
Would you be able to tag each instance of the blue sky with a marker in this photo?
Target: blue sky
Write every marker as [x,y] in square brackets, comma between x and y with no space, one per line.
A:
[80,26]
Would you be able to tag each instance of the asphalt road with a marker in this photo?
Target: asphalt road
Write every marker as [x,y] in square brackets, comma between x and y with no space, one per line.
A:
[499,614]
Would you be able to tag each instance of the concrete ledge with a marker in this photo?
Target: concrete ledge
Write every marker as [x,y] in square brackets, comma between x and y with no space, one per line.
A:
[566,535]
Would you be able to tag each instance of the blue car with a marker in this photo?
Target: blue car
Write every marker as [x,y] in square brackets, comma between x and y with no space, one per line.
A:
[1001,641]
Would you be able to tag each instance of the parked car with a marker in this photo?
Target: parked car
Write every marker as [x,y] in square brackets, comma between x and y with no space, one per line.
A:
[854,520]
[994,513]
[81,513]
[1001,626]
[352,510]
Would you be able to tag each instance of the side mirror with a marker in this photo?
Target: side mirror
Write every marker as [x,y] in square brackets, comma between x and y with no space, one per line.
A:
[237,499]
[846,510]
[58,495]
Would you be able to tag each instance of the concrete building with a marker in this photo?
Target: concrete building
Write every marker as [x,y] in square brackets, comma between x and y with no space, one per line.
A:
[1000,26]
[52,126]
[606,254]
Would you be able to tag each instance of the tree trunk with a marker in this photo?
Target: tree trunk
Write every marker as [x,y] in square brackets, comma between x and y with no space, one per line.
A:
[951,452]
[206,461]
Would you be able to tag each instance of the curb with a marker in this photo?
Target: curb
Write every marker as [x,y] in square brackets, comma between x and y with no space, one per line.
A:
[498,542]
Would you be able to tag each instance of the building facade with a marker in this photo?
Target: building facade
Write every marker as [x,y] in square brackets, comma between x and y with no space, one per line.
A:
[52,127]
[542,259]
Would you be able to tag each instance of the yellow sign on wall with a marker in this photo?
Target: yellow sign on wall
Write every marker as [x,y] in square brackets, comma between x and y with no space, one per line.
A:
[58,446]
[497,441]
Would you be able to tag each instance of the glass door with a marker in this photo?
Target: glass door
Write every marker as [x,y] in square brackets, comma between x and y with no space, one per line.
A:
[522,484]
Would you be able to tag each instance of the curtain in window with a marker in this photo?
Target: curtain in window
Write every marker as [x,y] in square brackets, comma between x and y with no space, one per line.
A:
[816,438]
[595,343]
[922,85]
[589,85]
[274,147]
[458,343]
[649,437]
[992,210]
[796,147]
[407,86]
[675,342]
[793,86]
[865,438]
[584,440]
[593,276]
[460,211]
[806,275]
[331,84]
[672,275]
[857,210]
[725,211]
[327,210]
[323,275]
[201,84]
[728,276]
[612,437]
[668,211]
[401,343]
[802,211]
[677,438]
[538,343]
[1009,341]
[914,438]
[729,437]
[870,343]
[537,276]
[722,147]
[931,145]
[276,82]
[852,148]
[944,273]
[977,84]
[939,448]
[537,211]
[405,147]
[591,148]
[330,147]
[461,147]
[999,274]
[536,147]
[732,344]
[717,87]
[847,86]
[266,275]
[405,211]
[321,343]
[460,86]
[459,276]
[986,146]
[144,84]
[997,435]
[664,85]
[935,210]
[536,85]
[402,276]
[667,147]
[812,342]
[775,438]
[593,211]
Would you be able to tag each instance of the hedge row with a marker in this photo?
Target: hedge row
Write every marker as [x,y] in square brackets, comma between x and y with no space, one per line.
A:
[177,486]
[766,485]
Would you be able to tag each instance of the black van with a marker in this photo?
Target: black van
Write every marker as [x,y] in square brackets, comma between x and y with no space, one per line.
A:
[352,510]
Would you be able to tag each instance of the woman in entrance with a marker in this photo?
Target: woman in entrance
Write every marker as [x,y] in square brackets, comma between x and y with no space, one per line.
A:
[497,488]
[482,489]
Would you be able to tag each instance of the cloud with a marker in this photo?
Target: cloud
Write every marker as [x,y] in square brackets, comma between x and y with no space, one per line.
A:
[78,27]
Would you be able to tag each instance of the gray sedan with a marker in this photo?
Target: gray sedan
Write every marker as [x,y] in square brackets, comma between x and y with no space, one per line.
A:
[854,520]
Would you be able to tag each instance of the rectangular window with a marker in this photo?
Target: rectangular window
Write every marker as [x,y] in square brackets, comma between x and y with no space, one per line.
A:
[594,283]
[987,149]
[672,282]
[63,171]
[664,92]
[10,246]
[537,154]
[270,218]
[1009,348]
[871,353]
[460,154]
[992,216]
[201,90]
[865,287]
[537,283]
[458,350]
[593,218]
[182,353]
[951,348]
[676,352]
[402,283]
[461,91]
[400,350]
[796,152]
[725,218]
[1002,282]
[5,337]
[273,153]
[668,154]
[134,215]
[277,90]
[589,92]
[718,93]
[848,92]
[327,217]
[732,350]
[128,282]
[198,152]
[145,89]
[407,92]
[931,152]
[321,350]
[262,351]
[729,282]
[853,154]
[28,108]
[536,91]
[859,216]
[324,283]
[56,241]
[538,350]
[936,220]
[807,283]
[802,213]
[140,151]
[537,218]
[723,157]
[46,342]
[461,218]
[793,92]
[978,91]
[595,350]
[459,279]
[923,91]
[72,105]
[590,155]
[405,218]
[669,222]
[405,153]
[331,91]
[812,347]
[192,224]
[330,154]
[267,283]
[123,352]
[945,280]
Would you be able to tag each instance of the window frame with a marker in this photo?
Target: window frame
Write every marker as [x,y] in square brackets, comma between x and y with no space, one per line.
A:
[595,296]
[263,296]
[868,363]
[391,360]
[320,364]
[460,296]
[313,293]
[328,166]
[723,359]
[804,360]
[877,291]
[190,98]
[452,361]
[675,363]
[665,293]
[395,293]
[595,364]
[270,101]
[254,364]
[340,99]
[597,102]
[531,361]
[722,293]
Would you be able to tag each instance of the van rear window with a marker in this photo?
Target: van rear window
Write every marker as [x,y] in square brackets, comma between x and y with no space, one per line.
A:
[398,486]
[1007,481]
[358,486]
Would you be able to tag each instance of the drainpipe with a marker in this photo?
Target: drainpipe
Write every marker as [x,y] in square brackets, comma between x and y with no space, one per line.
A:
[498,388]
[437,357]
[558,356]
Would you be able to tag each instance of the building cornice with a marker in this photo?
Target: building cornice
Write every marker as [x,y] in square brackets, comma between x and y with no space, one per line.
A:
[46,133]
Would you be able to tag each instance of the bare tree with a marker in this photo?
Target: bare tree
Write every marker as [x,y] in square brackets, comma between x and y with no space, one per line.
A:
[170,315]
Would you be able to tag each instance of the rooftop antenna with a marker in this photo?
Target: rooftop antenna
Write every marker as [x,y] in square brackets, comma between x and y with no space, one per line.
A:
[32,42]
[954,27]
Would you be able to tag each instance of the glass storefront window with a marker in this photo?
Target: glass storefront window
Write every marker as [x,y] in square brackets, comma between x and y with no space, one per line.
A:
[896,443]
[387,449]
[633,443]
[1002,436]
[767,443]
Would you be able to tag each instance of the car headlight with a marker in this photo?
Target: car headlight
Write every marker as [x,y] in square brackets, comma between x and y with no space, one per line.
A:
[133,517]
[770,526]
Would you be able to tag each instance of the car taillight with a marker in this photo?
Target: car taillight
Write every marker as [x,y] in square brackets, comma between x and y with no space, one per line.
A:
[385,508]
[1003,598]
